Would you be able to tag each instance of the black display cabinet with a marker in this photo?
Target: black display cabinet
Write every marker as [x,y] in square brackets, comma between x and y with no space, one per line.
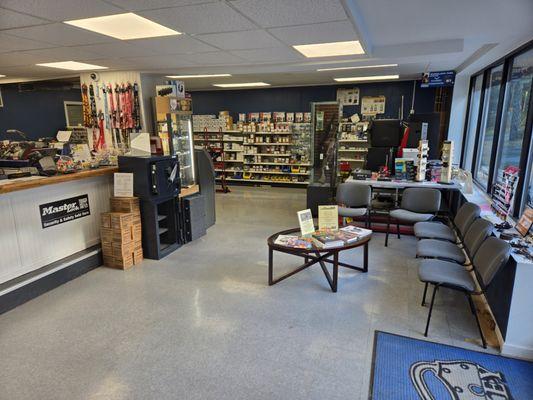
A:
[156,182]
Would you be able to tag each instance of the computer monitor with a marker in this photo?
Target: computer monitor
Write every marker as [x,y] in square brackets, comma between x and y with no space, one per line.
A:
[377,157]
[385,133]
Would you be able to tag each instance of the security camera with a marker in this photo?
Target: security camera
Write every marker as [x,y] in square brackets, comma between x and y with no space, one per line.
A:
[94,76]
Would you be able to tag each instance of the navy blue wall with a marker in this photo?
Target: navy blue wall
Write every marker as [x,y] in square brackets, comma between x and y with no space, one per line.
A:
[37,113]
[294,99]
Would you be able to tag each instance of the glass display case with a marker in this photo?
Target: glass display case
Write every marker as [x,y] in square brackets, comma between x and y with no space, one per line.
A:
[174,127]
[324,128]
[182,146]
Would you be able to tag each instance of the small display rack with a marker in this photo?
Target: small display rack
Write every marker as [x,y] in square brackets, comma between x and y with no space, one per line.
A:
[352,145]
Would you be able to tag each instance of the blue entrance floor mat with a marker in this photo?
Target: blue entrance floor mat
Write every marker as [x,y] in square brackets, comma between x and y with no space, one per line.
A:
[407,368]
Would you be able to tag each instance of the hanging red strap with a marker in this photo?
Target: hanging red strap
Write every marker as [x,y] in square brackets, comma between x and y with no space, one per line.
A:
[404,141]
[101,137]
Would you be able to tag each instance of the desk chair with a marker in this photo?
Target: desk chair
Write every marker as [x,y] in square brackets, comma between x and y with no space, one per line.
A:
[491,256]
[418,205]
[477,233]
[354,201]
[466,214]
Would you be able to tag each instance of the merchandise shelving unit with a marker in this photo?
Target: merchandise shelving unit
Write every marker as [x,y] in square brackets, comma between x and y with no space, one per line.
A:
[275,157]
[352,146]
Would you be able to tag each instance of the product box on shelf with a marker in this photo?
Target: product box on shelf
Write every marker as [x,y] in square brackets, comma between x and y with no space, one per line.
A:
[253,117]
[279,116]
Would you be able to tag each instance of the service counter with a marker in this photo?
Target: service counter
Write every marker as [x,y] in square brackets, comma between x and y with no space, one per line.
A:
[44,220]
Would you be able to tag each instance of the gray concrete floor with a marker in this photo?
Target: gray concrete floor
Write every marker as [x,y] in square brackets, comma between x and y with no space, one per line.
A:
[203,323]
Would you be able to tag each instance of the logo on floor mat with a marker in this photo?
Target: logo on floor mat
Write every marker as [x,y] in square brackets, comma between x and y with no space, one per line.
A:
[464,380]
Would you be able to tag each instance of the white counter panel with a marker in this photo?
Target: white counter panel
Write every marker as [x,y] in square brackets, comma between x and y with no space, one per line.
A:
[26,246]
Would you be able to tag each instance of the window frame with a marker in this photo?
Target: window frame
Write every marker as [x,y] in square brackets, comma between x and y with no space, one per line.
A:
[507,61]
[467,119]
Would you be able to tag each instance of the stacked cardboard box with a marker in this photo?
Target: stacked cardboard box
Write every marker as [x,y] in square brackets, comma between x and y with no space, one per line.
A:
[121,233]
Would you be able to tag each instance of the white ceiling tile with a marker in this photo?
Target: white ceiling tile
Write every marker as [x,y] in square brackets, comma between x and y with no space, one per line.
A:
[215,58]
[280,54]
[62,10]
[17,58]
[114,63]
[181,44]
[13,43]
[241,40]
[271,13]
[118,49]
[60,34]
[170,61]
[139,5]
[200,18]
[316,33]
[76,53]
[11,19]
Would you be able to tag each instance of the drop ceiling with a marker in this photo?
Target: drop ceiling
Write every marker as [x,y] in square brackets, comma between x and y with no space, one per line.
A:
[253,39]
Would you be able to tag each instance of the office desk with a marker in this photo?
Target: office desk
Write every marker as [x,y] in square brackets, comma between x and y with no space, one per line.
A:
[404,184]
[400,185]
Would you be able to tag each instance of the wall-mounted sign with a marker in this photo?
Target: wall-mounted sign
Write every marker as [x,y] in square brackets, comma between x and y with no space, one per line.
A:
[437,79]
[61,211]
[348,97]
[372,105]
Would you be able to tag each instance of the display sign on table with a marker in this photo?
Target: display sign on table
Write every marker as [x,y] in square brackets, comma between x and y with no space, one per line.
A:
[526,221]
[328,218]
[61,211]
[307,226]
[438,79]
[123,184]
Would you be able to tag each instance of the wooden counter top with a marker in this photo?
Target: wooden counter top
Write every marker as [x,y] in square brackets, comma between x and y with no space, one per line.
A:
[22,184]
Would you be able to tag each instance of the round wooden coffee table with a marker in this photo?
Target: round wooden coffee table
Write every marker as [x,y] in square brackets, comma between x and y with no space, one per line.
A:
[313,256]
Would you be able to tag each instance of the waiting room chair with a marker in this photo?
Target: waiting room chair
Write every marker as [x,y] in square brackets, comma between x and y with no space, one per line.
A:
[466,214]
[418,205]
[354,201]
[491,256]
[477,233]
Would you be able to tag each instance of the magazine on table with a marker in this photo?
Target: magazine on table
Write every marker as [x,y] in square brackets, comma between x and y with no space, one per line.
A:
[349,234]
[328,239]
[293,241]
[360,232]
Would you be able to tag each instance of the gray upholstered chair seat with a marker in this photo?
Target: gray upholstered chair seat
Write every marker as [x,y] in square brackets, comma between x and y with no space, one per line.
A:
[431,248]
[352,212]
[409,216]
[447,273]
[434,230]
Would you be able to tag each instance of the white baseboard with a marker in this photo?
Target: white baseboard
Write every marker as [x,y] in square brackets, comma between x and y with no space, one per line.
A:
[522,352]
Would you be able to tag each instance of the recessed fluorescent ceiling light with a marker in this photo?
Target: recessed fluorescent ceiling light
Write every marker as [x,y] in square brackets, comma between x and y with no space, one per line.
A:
[124,26]
[245,84]
[357,67]
[72,65]
[197,76]
[367,78]
[2,76]
[330,49]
